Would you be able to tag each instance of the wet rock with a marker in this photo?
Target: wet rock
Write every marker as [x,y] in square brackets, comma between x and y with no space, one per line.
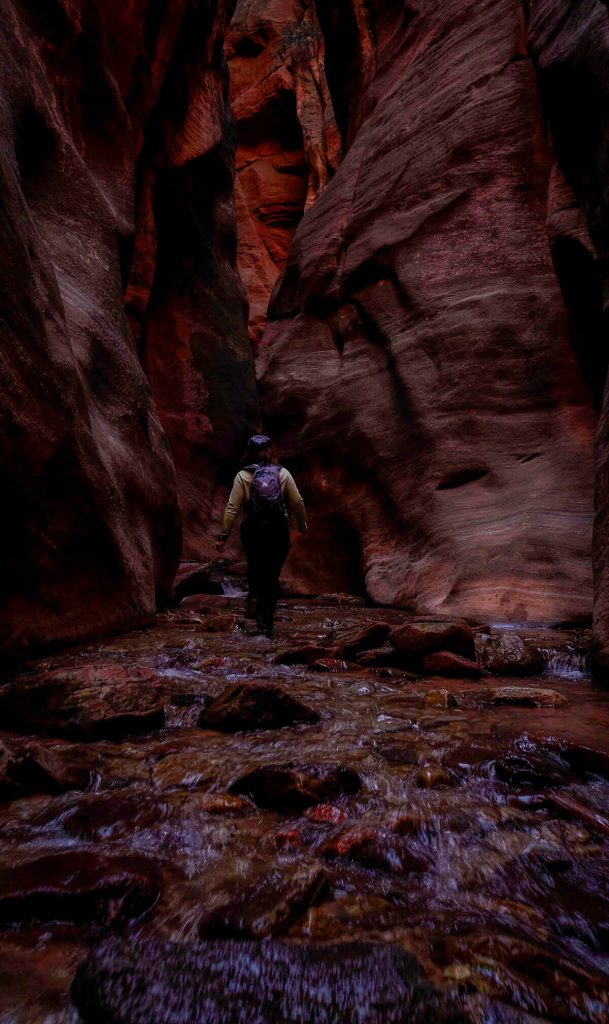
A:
[219,803]
[193,578]
[302,655]
[434,776]
[509,655]
[341,600]
[444,663]
[149,982]
[364,639]
[251,706]
[293,787]
[348,915]
[326,813]
[91,702]
[374,848]
[330,665]
[565,804]
[526,696]
[78,888]
[533,769]
[27,768]
[188,769]
[400,751]
[267,904]
[417,639]
[440,699]
[217,624]
[289,839]
[381,657]
[111,816]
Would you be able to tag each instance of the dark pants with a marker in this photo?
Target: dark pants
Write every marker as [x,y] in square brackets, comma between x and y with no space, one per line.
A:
[266,547]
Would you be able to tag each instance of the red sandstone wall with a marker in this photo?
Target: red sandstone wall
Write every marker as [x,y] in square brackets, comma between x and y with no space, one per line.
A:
[569,43]
[288,146]
[420,365]
[101,102]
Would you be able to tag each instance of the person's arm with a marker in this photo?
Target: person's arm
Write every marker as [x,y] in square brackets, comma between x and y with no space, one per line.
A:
[295,503]
[233,507]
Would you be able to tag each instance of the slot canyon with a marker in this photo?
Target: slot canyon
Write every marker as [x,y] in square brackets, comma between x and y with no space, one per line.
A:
[379,231]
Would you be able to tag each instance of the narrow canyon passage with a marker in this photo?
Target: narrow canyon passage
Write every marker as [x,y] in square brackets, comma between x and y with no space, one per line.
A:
[193,782]
[378,230]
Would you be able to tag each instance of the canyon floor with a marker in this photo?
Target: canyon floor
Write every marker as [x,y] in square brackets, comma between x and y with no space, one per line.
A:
[438,836]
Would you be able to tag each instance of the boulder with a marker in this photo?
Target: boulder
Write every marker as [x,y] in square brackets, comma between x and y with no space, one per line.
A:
[536,768]
[373,635]
[290,788]
[78,888]
[379,657]
[90,702]
[191,579]
[526,696]
[152,982]
[417,639]
[445,663]
[509,655]
[265,905]
[250,706]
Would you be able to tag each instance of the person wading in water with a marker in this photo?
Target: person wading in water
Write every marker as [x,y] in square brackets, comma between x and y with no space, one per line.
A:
[270,498]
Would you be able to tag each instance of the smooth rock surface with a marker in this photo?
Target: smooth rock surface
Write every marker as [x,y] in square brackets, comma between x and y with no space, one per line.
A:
[527,696]
[250,706]
[78,888]
[99,700]
[294,787]
[420,320]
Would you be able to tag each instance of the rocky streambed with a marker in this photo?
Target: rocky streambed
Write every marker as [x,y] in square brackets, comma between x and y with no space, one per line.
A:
[368,818]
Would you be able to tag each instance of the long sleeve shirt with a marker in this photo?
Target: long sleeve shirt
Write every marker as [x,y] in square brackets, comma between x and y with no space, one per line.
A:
[241,492]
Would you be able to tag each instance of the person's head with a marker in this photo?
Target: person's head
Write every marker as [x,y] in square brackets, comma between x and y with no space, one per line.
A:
[260,449]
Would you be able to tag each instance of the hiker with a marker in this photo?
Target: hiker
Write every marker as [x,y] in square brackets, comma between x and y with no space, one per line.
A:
[270,499]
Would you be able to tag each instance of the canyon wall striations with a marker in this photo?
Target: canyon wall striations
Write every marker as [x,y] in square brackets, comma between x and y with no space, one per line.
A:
[421,367]
[101,104]
[428,180]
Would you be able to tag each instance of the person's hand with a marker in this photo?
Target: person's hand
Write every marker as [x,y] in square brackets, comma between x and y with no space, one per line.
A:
[220,546]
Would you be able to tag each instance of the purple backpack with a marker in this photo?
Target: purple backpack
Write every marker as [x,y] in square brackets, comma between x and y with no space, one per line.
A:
[266,504]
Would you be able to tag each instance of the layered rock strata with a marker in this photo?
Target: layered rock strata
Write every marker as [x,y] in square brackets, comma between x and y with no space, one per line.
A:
[419,365]
[101,103]
[288,145]
[569,43]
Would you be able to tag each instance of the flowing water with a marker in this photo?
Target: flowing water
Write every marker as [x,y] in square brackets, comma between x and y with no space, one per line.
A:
[477,841]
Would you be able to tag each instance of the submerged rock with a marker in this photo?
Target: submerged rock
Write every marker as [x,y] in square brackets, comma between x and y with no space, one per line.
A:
[376,848]
[78,888]
[440,699]
[90,702]
[265,905]
[527,696]
[149,982]
[293,787]
[251,706]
